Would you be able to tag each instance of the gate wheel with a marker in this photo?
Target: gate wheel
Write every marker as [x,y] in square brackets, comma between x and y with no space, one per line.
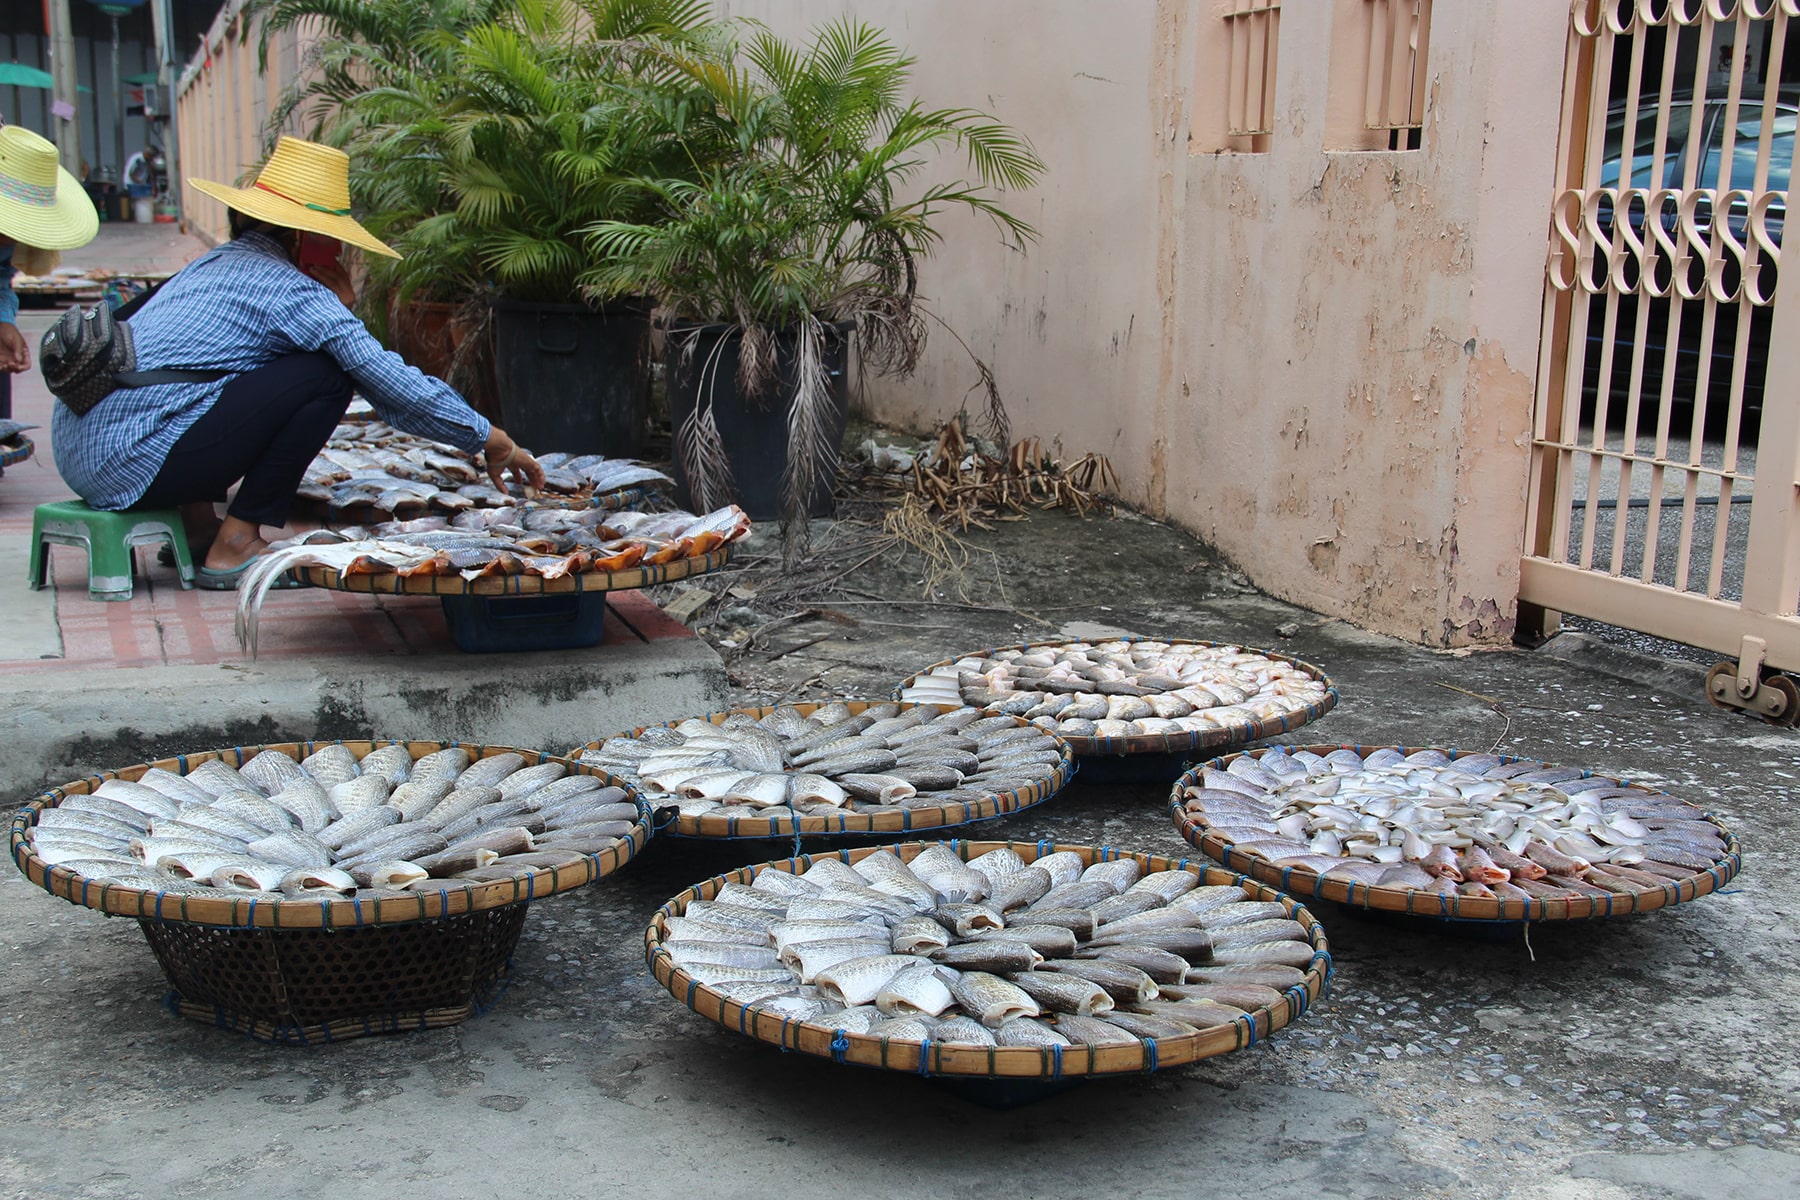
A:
[1776,701]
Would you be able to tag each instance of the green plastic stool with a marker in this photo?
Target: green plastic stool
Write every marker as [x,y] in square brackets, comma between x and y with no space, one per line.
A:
[110,539]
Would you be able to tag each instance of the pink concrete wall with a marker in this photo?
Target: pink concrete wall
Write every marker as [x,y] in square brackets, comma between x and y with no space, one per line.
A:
[1321,362]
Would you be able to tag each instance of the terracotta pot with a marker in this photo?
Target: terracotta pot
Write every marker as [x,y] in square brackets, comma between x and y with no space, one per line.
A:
[428,334]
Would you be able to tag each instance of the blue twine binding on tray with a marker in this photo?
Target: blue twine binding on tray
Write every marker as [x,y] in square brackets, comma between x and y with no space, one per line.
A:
[925,1057]
[1056,1062]
[1249,1024]
[1149,1055]
[840,1042]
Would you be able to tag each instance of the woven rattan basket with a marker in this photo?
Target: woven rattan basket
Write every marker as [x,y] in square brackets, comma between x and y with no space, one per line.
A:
[1047,1063]
[912,820]
[1239,734]
[390,584]
[306,970]
[1306,882]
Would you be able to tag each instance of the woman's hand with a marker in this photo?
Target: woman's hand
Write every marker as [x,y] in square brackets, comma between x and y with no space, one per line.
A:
[15,355]
[503,455]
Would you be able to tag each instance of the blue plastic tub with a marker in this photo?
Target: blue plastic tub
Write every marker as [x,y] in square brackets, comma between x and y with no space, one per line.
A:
[503,624]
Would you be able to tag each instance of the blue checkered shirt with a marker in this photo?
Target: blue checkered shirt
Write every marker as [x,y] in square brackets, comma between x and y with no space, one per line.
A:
[240,306]
[9,299]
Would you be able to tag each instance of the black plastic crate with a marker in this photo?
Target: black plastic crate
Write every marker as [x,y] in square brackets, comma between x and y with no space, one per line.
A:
[495,624]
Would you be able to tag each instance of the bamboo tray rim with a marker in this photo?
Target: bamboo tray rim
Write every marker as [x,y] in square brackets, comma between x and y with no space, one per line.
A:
[254,912]
[17,450]
[1168,743]
[631,579]
[991,1062]
[912,820]
[1412,901]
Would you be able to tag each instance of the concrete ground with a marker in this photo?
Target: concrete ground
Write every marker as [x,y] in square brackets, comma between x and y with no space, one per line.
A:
[1630,1059]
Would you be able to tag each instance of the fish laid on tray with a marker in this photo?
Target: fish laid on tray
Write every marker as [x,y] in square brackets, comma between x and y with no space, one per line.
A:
[883,759]
[578,542]
[1122,688]
[368,463]
[1472,826]
[333,825]
[993,951]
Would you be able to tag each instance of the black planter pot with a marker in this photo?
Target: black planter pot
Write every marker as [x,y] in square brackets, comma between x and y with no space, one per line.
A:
[573,378]
[702,367]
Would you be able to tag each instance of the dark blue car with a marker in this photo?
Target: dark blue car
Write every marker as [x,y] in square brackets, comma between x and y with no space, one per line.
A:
[1689,347]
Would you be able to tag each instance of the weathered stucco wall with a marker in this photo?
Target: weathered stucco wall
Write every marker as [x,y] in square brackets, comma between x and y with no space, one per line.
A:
[1319,361]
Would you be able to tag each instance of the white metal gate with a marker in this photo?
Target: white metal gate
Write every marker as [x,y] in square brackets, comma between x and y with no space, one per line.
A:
[1667,432]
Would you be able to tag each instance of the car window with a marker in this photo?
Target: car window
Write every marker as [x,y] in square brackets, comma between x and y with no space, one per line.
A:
[1643,145]
[1744,147]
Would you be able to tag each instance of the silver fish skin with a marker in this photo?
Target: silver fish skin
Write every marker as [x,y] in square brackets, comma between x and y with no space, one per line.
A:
[64,853]
[148,801]
[249,875]
[1051,941]
[988,954]
[331,765]
[1143,1025]
[808,959]
[807,908]
[220,778]
[107,807]
[198,864]
[790,1007]
[1064,993]
[92,822]
[1168,885]
[1126,904]
[998,865]
[917,989]
[395,841]
[197,833]
[1274,975]
[1125,984]
[858,981]
[1154,919]
[1063,866]
[222,821]
[511,840]
[446,864]
[749,992]
[1079,921]
[857,1019]
[295,848]
[783,885]
[353,826]
[720,954]
[962,1031]
[1084,1030]
[447,764]
[358,794]
[111,870]
[527,780]
[917,934]
[965,920]
[710,973]
[1253,932]
[150,849]
[990,999]
[693,929]
[797,933]
[1161,965]
[307,801]
[43,839]
[271,771]
[175,787]
[714,912]
[876,789]
[914,1028]
[1287,953]
[489,771]
[1022,887]
[395,874]
[417,797]
[393,763]
[1027,1031]
[458,803]
[743,895]
[304,880]
[257,809]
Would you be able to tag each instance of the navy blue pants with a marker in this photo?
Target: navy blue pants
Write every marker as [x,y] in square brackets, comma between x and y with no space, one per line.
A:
[264,429]
[5,394]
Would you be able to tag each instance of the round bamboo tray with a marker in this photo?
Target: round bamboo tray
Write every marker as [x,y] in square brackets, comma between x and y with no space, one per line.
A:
[1219,738]
[912,820]
[15,451]
[1019,1063]
[306,970]
[1414,902]
[516,585]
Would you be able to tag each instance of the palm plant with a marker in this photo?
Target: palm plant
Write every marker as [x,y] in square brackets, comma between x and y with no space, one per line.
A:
[794,210]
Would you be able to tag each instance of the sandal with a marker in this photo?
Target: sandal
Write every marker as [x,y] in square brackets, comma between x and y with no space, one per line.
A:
[197,552]
[227,580]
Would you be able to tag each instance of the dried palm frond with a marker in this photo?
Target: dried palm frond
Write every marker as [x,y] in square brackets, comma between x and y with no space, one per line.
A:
[812,438]
[965,487]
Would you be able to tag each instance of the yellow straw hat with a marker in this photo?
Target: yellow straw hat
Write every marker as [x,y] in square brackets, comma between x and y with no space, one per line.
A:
[41,204]
[303,186]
